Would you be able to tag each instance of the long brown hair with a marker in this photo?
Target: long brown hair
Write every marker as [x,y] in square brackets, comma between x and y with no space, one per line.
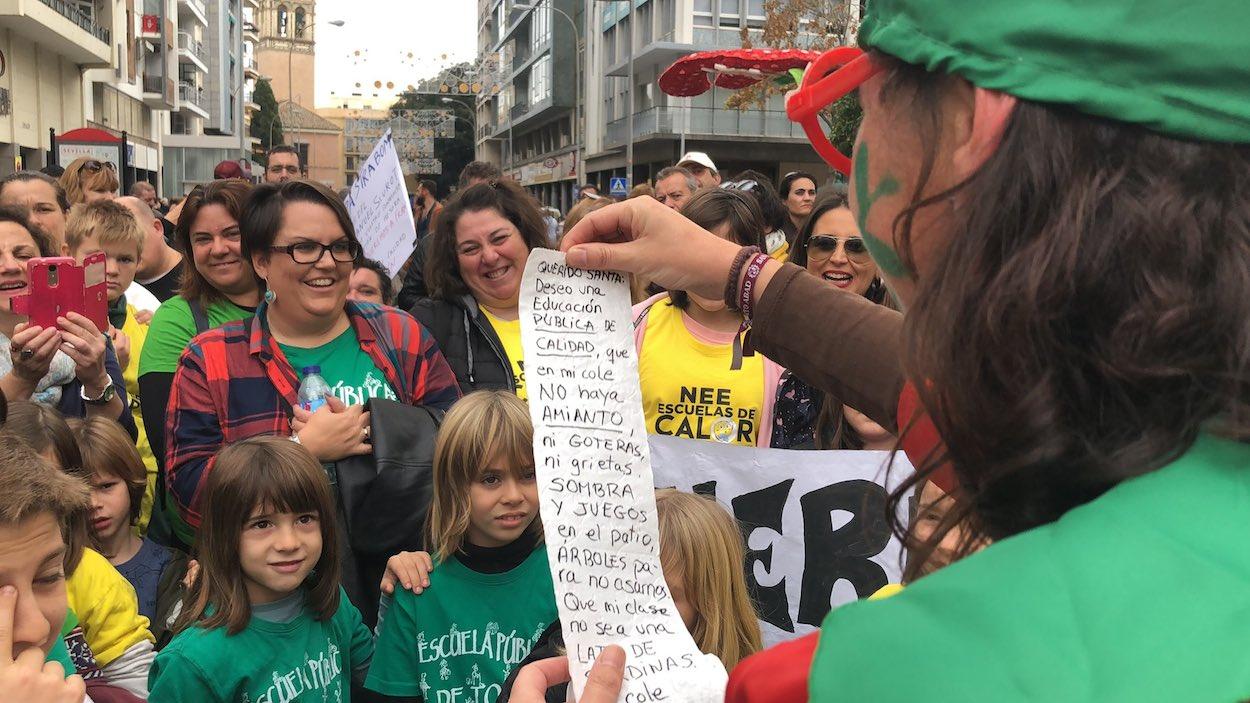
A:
[482,426]
[1088,319]
[701,544]
[276,474]
[230,194]
[442,267]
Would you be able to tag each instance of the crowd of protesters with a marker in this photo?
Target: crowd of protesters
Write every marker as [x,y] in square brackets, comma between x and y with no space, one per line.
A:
[1037,288]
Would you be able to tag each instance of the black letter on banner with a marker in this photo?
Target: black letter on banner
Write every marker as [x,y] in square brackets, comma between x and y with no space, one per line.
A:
[763,508]
[843,554]
[708,488]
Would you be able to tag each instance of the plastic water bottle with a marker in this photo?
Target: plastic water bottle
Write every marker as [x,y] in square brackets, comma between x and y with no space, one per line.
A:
[313,389]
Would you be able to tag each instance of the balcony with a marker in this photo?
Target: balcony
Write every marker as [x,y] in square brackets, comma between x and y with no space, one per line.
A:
[158,92]
[197,8]
[192,98]
[704,122]
[191,48]
[59,26]
[249,68]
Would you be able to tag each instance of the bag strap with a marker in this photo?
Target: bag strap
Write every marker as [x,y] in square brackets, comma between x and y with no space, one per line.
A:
[197,314]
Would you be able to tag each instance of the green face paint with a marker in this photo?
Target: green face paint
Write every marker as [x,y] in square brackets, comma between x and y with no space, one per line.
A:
[886,258]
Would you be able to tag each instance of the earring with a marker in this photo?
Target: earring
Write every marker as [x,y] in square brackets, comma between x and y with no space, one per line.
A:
[270,296]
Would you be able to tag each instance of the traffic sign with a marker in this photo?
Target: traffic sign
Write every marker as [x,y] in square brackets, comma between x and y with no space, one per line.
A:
[618,187]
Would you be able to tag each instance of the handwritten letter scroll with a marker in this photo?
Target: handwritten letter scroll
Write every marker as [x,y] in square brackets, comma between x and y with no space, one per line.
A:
[595,486]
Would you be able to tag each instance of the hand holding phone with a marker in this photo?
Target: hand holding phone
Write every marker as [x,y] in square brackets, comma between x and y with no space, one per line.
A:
[57,286]
[32,349]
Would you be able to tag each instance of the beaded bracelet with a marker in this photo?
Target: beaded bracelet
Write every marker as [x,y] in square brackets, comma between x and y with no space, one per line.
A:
[731,286]
[745,302]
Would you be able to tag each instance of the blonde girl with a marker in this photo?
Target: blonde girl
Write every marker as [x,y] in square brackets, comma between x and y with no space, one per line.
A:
[86,180]
[702,556]
[266,620]
[492,582]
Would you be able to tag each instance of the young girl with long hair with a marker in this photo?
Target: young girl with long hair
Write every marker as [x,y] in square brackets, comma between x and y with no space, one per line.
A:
[696,382]
[492,585]
[267,619]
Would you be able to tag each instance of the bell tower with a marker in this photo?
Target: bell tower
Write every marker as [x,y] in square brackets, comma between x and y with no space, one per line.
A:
[285,54]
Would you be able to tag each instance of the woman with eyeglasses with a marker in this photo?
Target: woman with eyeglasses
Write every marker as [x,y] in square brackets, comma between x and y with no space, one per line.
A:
[240,380]
[798,192]
[476,259]
[87,179]
[1063,208]
[832,249]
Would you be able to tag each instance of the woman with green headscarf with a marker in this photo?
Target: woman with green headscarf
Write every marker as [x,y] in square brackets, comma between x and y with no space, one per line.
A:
[1059,193]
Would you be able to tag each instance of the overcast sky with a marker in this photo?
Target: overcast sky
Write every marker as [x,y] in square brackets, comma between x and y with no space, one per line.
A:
[377,43]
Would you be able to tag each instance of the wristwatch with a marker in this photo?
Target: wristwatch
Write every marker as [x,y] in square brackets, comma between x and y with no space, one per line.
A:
[105,396]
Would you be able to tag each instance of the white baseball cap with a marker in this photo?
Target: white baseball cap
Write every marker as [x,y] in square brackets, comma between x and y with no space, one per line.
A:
[700,158]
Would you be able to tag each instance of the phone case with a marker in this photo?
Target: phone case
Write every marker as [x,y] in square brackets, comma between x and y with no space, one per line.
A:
[59,286]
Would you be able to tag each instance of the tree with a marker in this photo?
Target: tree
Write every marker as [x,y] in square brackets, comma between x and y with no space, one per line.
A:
[266,117]
[815,25]
[455,153]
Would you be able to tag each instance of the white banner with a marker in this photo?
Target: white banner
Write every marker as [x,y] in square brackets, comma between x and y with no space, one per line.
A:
[813,522]
[380,210]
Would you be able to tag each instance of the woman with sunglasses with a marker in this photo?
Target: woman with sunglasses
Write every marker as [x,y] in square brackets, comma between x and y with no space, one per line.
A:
[1023,196]
[240,380]
[87,179]
[798,192]
[776,243]
[832,249]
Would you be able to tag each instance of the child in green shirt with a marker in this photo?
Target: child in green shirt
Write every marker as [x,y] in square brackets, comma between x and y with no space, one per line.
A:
[267,620]
[491,597]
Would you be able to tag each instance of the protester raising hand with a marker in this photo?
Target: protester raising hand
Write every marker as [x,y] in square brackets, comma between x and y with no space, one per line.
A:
[28,678]
[603,685]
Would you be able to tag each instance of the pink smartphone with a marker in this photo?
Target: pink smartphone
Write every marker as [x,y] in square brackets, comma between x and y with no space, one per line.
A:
[58,286]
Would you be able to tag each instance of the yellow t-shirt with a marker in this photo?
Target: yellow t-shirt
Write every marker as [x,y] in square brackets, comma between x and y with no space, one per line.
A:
[509,333]
[107,608]
[137,334]
[688,389]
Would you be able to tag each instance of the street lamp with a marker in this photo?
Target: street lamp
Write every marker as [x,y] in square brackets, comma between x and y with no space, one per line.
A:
[472,115]
[577,82]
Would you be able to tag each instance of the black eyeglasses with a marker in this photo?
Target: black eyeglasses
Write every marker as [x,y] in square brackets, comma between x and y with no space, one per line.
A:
[94,166]
[344,251]
[822,246]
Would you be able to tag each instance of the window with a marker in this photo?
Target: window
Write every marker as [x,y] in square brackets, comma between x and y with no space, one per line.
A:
[729,13]
[540,24]
[755,14]
[540,80]
[703,13]
[282,20]
[301,22]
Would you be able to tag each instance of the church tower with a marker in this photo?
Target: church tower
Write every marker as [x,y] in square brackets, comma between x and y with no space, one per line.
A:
[287,47]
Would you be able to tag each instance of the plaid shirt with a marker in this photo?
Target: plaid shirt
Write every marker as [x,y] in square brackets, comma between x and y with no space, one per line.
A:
[233,382]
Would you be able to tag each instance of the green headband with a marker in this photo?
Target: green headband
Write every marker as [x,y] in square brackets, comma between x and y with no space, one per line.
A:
[1179,68]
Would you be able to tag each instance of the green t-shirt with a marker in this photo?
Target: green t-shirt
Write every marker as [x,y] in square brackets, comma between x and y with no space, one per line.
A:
[303,660]
[351,373]
[1142,594]
[60,652]
[173,326]
[458,640]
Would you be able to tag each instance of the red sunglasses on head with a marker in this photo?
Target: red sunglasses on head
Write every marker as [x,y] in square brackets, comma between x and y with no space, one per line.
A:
[830,77]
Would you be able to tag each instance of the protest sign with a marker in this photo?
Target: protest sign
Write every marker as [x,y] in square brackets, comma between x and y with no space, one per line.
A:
[595,486]
[378,205]
[813,522]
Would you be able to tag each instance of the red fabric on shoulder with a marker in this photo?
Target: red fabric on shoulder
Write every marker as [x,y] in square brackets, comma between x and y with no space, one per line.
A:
[921,440]
[778,673]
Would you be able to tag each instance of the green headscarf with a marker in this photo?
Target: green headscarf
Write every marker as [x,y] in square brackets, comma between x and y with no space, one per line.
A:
[1178,68]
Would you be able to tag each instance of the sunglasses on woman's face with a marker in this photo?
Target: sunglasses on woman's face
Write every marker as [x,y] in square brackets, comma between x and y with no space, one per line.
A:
[822,246]
[94,166]
[831,76]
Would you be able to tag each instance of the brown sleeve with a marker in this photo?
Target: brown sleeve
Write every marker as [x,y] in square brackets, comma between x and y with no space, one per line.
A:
[838,342]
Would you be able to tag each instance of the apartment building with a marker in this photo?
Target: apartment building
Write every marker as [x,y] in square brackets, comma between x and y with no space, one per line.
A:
[665,127]
[207,126]
[527,127]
